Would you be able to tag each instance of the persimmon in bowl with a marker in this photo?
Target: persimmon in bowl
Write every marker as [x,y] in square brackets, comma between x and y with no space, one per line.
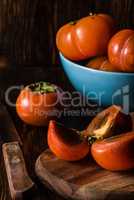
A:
[101,87]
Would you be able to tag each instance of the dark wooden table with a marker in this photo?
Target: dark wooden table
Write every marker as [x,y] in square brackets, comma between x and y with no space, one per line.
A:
[34,138]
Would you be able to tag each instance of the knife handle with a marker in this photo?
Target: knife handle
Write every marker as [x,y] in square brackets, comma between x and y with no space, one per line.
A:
[18,178]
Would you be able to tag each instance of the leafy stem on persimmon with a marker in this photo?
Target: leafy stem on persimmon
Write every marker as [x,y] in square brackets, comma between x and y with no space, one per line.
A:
[42,87]
[73,22]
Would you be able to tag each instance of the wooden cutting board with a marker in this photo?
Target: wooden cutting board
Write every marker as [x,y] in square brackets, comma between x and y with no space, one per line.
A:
[83,180]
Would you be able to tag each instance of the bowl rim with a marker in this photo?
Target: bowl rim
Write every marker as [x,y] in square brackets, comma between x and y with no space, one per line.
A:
[95,70]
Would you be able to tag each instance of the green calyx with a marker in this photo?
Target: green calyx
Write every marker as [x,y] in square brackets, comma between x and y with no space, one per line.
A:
[73,22]
[42,87]
[93,138]
[90,139]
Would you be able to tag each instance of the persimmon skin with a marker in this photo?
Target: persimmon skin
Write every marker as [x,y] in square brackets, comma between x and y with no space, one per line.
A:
[102,63]
[62,148]
[96,62]
[109,122]
[33,109]
[115,153]
[86,37]
[66,45]
[121,50]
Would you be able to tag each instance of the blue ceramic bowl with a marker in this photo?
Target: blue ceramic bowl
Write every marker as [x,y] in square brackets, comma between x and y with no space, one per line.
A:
[102,88]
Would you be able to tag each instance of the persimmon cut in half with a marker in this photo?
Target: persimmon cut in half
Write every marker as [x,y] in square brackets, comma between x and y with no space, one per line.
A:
[109,122]
[115,153]
[66,143]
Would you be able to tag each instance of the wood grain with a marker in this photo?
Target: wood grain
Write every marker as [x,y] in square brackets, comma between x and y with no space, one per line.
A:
[28,30]
[18,179]
[34,142]
[83,180]
[33,139]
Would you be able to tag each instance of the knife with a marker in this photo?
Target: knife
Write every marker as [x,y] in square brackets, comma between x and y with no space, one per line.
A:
[18,179]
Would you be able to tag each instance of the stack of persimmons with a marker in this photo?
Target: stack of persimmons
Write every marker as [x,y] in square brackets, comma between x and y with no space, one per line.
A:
[109,137]
[96,37]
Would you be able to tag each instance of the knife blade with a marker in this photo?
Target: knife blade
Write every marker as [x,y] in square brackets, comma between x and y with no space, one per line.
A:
[18,179]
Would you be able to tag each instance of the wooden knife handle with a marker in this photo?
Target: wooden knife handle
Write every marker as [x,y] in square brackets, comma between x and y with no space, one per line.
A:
[18,178]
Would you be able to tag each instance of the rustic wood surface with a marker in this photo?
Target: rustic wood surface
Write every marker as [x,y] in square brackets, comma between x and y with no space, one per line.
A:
[35,142]
[27,37]
[28,29]
[33,138]
[18,178]
[83,180]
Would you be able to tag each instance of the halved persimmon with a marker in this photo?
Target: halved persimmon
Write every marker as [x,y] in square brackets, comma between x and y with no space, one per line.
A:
[107,123]
[66,143]
[115,153]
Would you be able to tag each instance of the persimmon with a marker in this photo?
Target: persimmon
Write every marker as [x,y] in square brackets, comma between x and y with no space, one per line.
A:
[102,63]
[38,103]
[86,37]
[65,143]
[109,122]
[121,50]
[115,153]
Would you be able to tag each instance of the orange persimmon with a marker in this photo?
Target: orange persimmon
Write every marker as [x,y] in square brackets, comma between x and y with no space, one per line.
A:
[86,37]
[109,122]
[115,153]
[66,143]
[38,103]
[102,63]
[121,50]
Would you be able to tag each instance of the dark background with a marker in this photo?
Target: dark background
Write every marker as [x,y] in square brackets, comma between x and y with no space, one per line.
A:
[28,27]
[27,36]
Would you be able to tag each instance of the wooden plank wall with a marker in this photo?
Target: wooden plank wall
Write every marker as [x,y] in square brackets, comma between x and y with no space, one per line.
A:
[28,27]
